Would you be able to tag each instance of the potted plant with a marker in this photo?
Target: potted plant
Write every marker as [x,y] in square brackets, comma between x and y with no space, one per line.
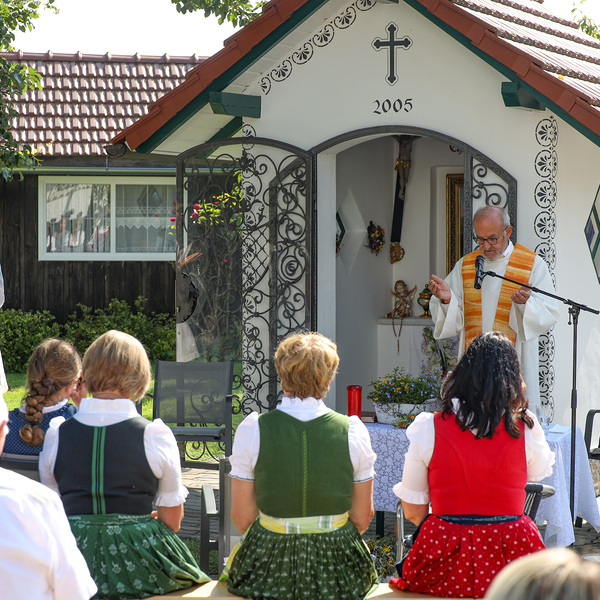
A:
[400,396]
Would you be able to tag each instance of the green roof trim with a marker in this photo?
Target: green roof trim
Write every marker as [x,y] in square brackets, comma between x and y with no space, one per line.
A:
[235,105]
[541,98]
[515,96]
[219,84]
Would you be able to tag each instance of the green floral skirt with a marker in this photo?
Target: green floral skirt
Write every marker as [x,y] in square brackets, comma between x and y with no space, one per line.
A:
[334,565]
[132,556]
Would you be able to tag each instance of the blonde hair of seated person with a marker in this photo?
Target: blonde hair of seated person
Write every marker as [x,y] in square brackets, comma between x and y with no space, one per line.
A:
[556,574]
[306,364]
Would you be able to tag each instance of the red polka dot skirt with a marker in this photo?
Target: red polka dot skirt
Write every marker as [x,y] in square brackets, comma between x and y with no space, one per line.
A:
[460,561]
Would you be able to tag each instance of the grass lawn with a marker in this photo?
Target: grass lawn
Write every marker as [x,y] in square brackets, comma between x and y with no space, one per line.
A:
[16,389]
[16,392]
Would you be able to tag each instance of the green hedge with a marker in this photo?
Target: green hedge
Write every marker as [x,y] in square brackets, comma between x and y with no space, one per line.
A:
[21,332]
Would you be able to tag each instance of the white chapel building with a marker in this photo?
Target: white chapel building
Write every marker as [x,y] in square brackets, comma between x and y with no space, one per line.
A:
[310,108]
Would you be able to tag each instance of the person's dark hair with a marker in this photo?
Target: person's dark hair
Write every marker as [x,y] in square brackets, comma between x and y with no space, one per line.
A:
[488,385]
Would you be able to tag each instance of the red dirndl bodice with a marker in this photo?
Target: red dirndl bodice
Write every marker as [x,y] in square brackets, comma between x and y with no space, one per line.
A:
[470,477]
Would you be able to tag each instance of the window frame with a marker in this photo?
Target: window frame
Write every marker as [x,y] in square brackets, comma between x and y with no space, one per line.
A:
[112,181]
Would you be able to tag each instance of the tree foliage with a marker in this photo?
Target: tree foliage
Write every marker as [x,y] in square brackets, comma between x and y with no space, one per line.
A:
[586,24]
[15,79]
[237,12]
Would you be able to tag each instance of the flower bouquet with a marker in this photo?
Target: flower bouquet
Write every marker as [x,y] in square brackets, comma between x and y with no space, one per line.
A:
[398,396]
[376,237]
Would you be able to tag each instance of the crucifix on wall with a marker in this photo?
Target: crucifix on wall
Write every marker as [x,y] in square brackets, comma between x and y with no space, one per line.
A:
[402,167]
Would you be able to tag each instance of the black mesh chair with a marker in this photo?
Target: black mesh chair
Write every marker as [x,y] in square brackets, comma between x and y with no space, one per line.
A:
[195,400]
[593,454]
[534,493]
[228,534]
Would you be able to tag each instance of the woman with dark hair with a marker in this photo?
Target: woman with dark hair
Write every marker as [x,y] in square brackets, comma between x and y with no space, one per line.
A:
[471,462]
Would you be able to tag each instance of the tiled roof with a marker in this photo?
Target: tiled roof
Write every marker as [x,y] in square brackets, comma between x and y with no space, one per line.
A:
[555,44]
[87,99]
[548,54]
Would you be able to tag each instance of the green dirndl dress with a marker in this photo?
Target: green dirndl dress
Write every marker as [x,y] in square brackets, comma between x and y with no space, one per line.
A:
[129,555]
[283,557]
[133,556]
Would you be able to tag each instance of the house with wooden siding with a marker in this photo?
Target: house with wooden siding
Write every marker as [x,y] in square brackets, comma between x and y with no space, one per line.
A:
[85,226]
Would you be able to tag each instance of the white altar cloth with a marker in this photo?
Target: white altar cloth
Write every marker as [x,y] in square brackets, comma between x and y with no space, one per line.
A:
[556,509]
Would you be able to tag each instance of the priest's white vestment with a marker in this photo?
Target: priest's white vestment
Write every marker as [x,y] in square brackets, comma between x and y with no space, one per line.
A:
[528,321]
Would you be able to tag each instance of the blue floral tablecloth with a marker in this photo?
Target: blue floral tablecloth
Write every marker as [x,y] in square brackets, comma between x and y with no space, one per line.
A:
[390,445]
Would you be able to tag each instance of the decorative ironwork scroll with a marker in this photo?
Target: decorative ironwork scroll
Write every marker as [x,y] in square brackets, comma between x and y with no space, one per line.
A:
[245,259]
[486,184]
[546,168]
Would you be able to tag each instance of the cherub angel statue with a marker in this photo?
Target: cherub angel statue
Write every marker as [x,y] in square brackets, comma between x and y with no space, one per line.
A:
[402,299]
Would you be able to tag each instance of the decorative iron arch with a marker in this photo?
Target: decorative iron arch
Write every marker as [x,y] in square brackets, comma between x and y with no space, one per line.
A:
[246,267]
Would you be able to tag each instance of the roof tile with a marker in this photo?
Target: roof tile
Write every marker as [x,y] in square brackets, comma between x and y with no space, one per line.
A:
[85,85]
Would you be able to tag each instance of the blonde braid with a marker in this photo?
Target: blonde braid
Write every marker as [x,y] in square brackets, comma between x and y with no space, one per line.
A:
[52,366]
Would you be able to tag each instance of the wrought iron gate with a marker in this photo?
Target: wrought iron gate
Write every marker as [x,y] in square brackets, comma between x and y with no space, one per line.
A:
[245,259]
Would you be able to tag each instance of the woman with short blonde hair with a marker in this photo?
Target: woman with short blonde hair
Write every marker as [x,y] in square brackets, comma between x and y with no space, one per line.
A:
[117,361]
[125,465]
[302,488]
[306,365]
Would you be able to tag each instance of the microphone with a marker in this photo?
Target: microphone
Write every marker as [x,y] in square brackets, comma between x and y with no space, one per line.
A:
[478,272]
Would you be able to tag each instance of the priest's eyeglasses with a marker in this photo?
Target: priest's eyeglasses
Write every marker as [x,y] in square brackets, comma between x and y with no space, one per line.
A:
[492,241]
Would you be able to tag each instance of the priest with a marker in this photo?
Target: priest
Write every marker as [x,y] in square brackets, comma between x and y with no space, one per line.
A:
[519,313]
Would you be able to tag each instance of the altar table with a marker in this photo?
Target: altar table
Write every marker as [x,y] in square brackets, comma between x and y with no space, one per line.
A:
[390,445]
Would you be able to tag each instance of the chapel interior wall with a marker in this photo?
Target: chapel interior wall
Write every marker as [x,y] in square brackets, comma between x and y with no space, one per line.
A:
[363,287]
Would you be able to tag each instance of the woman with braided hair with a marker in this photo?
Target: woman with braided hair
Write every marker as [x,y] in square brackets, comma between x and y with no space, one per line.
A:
[53,376]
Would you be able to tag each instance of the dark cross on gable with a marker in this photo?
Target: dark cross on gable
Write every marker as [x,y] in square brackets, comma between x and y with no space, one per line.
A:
[391,44]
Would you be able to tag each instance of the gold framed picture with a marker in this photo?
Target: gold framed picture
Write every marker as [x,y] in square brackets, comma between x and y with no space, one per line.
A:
[455,216]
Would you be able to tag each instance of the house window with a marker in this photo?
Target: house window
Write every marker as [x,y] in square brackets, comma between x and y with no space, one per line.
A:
[107,219]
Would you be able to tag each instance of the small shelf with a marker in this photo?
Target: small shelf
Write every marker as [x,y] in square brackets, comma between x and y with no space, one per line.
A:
[408,321]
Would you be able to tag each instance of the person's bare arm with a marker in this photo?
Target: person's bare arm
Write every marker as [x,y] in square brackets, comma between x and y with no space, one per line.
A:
[362,510]
[171,516]
[415,513]
[243,503]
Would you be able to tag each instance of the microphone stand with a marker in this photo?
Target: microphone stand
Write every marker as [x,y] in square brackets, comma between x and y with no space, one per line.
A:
[574,309]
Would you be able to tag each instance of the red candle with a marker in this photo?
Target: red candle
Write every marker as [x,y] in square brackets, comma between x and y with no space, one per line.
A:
[354,400]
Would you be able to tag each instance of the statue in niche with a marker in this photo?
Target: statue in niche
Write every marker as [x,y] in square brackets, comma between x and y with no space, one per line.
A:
[402,299]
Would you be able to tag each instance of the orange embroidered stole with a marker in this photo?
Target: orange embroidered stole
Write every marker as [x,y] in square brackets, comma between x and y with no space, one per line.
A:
[519,268]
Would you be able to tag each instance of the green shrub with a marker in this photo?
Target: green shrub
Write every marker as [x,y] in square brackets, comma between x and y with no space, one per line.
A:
[20,333]
[155,331]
